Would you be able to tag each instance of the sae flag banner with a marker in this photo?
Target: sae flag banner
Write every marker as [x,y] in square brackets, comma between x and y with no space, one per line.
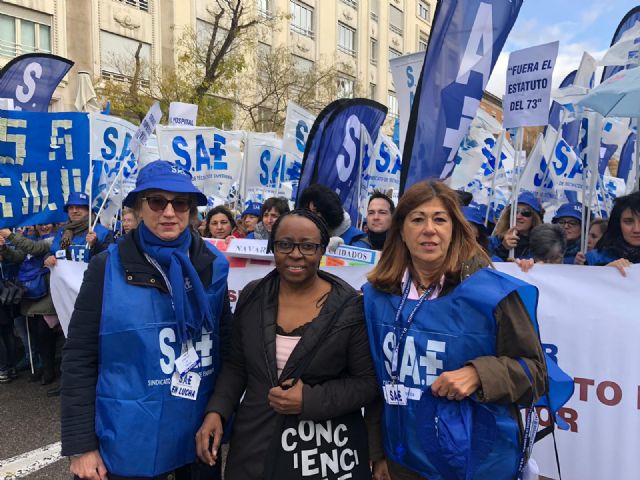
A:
[466,39]
[31,79]
[381,164]
[333,153]
[44,157]
[296,129]
[627,23]
[213,156]
[405,71]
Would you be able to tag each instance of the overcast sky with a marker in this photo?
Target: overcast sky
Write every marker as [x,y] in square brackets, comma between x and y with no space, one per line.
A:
[579,25]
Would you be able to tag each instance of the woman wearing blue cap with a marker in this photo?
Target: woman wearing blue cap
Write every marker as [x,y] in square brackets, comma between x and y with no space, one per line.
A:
[620,245]
[529,214]
[144,342]
[454,346]
[569,217]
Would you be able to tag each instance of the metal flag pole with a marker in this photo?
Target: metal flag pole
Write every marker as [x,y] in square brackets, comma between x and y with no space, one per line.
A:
[497,154]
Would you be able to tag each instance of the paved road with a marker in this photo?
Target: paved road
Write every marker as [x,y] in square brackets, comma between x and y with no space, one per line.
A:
[29,420]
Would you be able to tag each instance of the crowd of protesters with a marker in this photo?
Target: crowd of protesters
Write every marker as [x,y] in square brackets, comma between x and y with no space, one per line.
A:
[272,360]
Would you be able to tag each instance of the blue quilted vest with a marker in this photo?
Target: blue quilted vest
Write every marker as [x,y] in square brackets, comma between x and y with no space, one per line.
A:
[445,334]
[142,429]
[77,251]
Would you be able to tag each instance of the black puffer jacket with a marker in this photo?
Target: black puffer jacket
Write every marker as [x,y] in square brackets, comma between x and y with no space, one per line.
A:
[81,352]
[340,378]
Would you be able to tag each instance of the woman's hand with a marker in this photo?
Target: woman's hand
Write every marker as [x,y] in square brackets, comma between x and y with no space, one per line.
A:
[457,384]
[50,261]
[91,238]
[525,264]
[381,470]
[89,466]
[211,427]
[510,239]
[620,264]
[289,401]
[580,259]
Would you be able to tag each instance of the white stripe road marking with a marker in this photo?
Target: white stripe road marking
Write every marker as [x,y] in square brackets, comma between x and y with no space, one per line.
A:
[29,462]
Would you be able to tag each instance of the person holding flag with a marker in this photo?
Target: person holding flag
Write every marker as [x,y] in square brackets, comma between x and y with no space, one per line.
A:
[529,214]
[569,217]
[432,301]
[144,342]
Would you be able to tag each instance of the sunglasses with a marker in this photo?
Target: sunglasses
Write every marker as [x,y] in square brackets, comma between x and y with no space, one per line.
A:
[159,203]
[525,213]
[305,248]
[568,223]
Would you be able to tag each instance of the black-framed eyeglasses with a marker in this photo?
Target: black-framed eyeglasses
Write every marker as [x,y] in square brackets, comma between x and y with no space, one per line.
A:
[568,223]
[305,248]
[159,203]
[524,212]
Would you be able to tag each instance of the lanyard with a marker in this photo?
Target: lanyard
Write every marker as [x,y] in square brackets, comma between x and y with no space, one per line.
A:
[397,324]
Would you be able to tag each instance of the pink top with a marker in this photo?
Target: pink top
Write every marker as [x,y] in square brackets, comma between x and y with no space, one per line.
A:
[284,346]
[413,291]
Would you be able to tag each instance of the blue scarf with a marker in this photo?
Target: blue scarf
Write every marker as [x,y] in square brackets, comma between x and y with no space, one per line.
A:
[191,307]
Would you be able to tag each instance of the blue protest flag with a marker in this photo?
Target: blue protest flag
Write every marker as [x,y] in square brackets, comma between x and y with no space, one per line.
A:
[466,39]
[332,154]
[45,157]
[627,157]
[31,79]
[628,21]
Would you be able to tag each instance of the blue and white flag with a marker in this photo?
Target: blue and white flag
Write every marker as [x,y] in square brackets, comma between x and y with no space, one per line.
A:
[627,158]
[626,24]
[31,79]
[465,42]
[45,157]
[333,153]
[381,164]
[405,71]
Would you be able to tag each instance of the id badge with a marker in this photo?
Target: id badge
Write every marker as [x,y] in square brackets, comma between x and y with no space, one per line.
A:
[185,386]
[61,254]
[395,394]
[187,360]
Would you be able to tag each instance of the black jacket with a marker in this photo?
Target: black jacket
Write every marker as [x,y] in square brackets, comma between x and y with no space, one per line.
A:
[340,378]
[81,350]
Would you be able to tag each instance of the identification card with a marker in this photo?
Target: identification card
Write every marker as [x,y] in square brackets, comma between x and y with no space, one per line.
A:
[395,394]
[187,360]
[185,386]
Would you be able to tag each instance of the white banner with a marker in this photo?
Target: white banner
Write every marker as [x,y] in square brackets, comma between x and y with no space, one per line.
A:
[405,71]
[589,321]
[182,114]
[213,156]
[528,92]
[65,281]
[296,129]
[381,165]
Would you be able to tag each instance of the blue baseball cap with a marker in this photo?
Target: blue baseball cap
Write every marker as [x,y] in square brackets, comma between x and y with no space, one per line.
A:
[571,209]
[167,176]
[253,208]
[528,198]
[77,199]
[473,214]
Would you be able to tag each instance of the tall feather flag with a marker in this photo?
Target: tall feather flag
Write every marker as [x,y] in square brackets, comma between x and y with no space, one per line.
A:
[465,42]
[627,22]
[31,79]
[332,155]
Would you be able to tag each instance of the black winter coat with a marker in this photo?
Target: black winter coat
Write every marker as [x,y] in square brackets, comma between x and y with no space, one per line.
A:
[340,379]
[81,350]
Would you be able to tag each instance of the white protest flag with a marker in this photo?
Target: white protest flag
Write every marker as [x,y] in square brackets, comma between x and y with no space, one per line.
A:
[581,84]
[614,135]
[213,156]
[297,126]
[381,171]
[405,71]
[182,114]
[528,91]
[625,50]
[483,119]
[65,281]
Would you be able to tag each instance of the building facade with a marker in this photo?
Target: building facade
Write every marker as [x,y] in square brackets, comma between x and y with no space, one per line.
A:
[362,35]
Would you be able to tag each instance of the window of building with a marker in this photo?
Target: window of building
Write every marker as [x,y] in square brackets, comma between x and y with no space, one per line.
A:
[372,91]
[117,52]
[373,50]
[393,53]
[351,3]
[345,87]
[346,39]
[374,8]
[423,41]
[18,36]
[392,104]
[301,18]
[396,20]
[303,65]
[204,30]
[139,4]
[424,10]
[264,7]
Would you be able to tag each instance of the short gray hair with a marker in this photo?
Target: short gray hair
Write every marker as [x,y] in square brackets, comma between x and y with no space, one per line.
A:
[548,243]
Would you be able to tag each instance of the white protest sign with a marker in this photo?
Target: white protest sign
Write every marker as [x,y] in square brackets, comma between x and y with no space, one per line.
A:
[528,92]
[405,71]
[213,156]
[65,281]
[603,359]
[182,114]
